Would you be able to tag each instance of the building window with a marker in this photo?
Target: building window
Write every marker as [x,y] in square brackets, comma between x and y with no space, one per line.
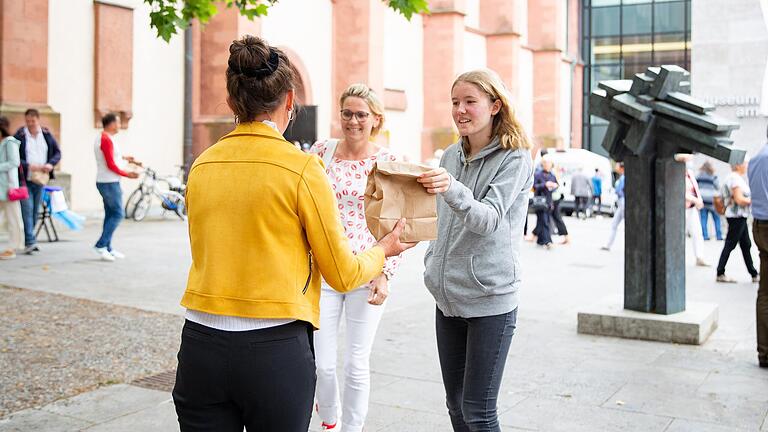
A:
[621,38]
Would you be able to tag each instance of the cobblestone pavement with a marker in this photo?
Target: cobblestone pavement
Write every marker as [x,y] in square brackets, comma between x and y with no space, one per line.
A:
[53,346]
[555,379]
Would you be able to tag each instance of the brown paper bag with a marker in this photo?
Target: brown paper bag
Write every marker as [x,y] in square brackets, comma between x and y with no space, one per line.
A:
[391,193]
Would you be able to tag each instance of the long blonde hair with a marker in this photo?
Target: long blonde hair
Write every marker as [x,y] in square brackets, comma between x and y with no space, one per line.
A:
[505,124]
[370,97]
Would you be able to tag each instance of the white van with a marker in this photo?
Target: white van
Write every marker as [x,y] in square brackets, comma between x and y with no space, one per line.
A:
[567,161]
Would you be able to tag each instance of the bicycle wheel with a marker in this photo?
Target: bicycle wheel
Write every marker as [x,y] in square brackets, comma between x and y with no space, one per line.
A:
[142,208]
[130,205]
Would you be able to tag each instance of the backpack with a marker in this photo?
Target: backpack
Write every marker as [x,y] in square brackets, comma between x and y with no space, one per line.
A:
[723,200]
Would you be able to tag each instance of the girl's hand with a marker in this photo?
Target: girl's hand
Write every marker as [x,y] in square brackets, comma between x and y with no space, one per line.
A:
[436,181]
[379,290]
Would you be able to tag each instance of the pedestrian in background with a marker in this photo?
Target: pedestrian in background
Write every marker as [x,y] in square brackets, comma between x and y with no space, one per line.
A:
[110,167]
[618,216]
[473,268]
[597,192]
[10,210]
[693,203]
[348,162]
[758,184]
[581,189]
[557,200]
[262,221]
[709,186]
[39,154]
[544,182]
[738,202]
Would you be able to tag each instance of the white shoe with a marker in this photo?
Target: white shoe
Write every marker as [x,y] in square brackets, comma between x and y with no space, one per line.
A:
[702,263]
[104,254]
[117,254]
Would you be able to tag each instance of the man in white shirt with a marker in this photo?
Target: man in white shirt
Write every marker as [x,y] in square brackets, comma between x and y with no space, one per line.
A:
[39,153]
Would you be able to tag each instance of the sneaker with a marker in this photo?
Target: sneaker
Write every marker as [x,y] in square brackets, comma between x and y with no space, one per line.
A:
[725,279]
[755,279]
[325,426]
[701,263]
[31,249]
[605,248]
[104,254]
[117,254]
[7,254]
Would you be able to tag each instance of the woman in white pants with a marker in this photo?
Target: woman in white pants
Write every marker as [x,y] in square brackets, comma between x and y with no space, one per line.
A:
[10,211]
[693,203]
[618,216]
[348,162]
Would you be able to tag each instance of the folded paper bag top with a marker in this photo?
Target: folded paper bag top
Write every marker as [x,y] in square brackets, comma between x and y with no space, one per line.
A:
[392,193]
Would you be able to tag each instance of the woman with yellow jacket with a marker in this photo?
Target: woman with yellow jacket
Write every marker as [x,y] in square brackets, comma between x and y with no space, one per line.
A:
[263,227]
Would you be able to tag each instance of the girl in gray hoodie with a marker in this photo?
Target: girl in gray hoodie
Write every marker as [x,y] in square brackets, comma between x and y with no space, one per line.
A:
[473,268]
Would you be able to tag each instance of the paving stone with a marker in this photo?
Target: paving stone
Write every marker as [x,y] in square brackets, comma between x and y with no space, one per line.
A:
[682,425]
[108,403]
[672,401]
[550,415]
[161,417]
[41,421]
[737,385]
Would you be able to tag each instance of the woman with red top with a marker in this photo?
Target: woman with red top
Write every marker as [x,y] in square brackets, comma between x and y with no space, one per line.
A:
[347,163]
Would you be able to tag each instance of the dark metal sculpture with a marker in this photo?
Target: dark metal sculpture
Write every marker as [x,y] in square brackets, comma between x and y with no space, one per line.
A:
[652,118]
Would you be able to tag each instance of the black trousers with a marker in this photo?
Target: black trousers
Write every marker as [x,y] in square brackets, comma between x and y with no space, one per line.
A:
[473,353]
[263,380]
[580,204]
[738,234]
[557,218]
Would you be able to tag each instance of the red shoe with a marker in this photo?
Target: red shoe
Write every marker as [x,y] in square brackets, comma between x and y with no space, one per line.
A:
[326,426]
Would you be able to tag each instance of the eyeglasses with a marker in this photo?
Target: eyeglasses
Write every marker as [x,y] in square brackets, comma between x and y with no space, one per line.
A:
[361,116]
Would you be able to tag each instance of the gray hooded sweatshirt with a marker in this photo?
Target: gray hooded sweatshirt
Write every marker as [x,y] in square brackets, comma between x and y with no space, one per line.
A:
[473,268]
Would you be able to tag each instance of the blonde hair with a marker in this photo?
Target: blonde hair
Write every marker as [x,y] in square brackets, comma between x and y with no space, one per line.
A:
[505,125]
[370,97]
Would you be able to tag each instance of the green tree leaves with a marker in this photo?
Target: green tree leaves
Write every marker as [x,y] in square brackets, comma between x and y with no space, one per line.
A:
[170,16]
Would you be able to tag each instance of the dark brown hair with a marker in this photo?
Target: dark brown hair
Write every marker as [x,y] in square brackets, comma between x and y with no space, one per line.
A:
[258,77]
[32,113]
[4,125]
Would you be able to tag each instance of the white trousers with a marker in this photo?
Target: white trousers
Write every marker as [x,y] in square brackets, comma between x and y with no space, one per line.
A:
[693,226]
[362,320]
[617,218]
[10,213]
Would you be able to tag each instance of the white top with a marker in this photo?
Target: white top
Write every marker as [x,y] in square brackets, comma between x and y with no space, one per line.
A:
[234,323]
[348,180]
[103,173]
[36,148]
[733,210]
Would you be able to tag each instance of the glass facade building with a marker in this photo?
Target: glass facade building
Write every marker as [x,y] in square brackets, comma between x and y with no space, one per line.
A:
[623,37]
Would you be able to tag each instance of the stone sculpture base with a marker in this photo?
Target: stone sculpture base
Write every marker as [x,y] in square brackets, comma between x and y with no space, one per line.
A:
[693,326]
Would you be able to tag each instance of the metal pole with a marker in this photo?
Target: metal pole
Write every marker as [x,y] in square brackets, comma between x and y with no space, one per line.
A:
[188,156]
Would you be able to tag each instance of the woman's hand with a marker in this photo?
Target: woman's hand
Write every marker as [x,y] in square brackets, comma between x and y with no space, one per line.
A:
[379,290]
[551,185]
[436,181]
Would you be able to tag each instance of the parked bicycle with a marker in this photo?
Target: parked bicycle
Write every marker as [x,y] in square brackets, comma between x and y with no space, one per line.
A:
[171,197]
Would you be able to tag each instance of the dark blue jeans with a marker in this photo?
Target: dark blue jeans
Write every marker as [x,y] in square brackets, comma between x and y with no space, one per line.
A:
[30,209]
[112,196]
[473,352]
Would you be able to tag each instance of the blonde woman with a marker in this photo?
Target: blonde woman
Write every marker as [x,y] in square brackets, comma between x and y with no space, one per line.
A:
[347,163]
[473,268]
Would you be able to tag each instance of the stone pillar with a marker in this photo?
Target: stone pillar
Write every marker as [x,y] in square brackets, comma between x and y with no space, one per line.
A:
[358,49]
[24,62]
[577,76]
[546,38]
[500,19]
[211,115]
[443,61]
